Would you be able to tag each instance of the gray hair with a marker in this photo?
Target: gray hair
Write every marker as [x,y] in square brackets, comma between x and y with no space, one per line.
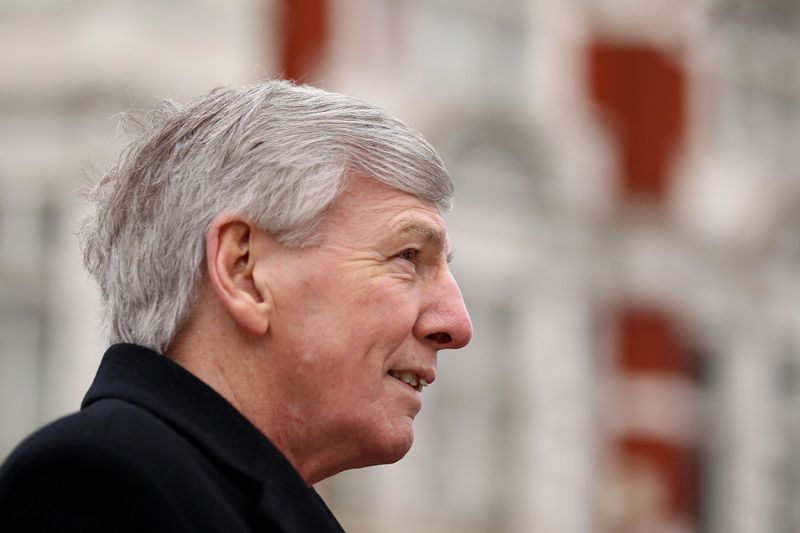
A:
[275,152]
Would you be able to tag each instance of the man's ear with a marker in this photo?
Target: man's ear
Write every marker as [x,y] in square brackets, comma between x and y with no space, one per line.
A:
[231,255]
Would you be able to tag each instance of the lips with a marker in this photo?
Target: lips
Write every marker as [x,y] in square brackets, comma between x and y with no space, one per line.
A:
[412,378]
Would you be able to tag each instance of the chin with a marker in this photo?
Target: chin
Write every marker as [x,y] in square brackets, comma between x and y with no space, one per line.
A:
[389,447]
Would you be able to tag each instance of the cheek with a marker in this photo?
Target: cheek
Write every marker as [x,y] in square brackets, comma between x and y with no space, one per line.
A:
[390,298]
[389,313]
[343,319]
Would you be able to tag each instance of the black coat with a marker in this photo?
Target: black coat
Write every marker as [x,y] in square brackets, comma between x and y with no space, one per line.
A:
[154,449]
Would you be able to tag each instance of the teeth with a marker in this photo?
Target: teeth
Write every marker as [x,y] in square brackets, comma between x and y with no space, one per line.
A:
[411,378]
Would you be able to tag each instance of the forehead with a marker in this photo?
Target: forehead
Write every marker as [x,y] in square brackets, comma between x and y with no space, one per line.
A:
[370,206]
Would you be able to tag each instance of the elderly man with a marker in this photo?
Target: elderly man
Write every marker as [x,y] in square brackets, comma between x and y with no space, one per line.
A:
[274,268]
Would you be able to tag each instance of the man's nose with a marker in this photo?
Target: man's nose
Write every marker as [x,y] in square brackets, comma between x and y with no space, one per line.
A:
[444,322]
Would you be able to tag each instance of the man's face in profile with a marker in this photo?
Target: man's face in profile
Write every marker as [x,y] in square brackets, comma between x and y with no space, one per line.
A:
[359,316]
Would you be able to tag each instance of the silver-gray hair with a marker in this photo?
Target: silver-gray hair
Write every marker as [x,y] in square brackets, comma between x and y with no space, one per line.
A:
[275,152]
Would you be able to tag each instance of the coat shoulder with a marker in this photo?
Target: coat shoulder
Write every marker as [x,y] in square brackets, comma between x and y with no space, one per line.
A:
[111,467]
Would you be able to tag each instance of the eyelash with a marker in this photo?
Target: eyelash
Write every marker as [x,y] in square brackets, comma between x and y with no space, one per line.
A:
[414,255]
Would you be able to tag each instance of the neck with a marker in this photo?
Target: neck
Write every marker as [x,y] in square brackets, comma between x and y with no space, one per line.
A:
[240,374]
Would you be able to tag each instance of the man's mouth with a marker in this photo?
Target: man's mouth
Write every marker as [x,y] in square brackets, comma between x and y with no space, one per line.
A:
[411,378]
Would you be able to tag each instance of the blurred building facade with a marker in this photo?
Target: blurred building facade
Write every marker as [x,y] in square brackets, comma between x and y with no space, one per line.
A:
[625,233]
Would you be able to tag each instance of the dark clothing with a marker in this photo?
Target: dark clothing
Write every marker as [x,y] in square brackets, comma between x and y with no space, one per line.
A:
[154,449]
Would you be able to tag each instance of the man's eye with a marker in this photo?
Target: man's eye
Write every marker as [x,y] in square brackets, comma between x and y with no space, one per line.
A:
[409,255]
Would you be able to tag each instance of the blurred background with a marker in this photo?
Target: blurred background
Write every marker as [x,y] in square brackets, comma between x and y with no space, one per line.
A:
[625,227]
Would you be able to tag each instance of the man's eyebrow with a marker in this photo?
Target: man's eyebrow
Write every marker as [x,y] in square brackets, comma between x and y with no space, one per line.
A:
[433,235]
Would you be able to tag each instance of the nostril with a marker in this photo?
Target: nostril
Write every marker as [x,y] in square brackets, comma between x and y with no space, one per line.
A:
[441,337]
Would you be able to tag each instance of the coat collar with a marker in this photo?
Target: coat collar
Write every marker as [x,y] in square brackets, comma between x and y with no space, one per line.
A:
[159,385]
